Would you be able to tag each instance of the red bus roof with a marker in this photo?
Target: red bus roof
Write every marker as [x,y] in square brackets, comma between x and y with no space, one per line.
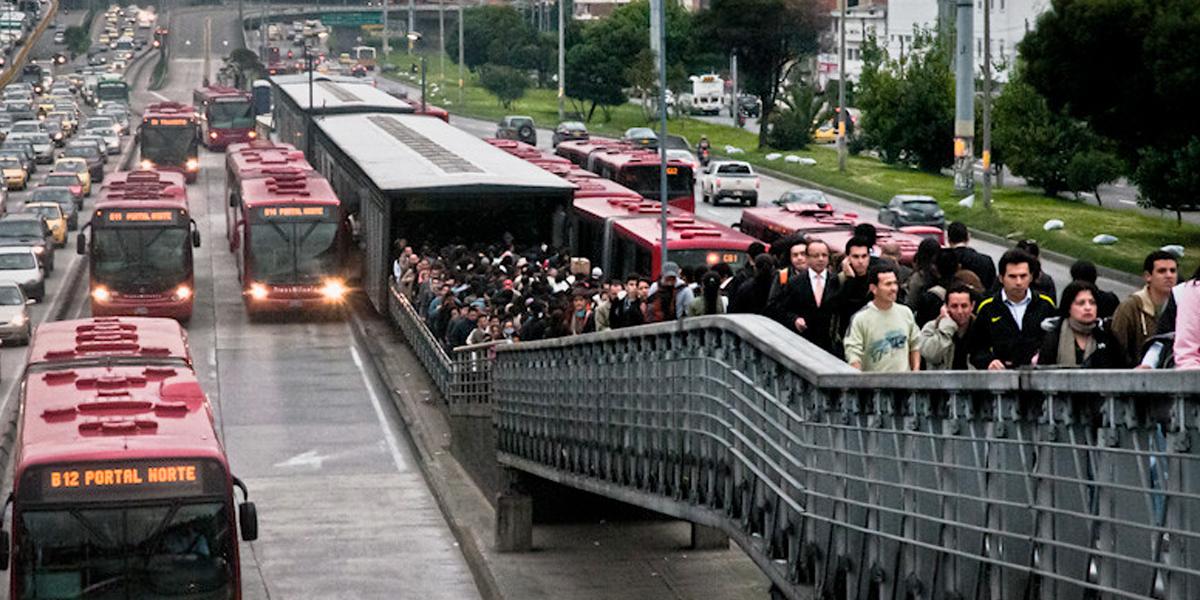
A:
[253,160]
[260,143]
[602,209]
[598,187]
[621,158]
[221,92]
[793,218]
[684,233]
[908,242]
[577,173]
[577,151]
[165,110]
[288,186]
[101,339]
[144,188]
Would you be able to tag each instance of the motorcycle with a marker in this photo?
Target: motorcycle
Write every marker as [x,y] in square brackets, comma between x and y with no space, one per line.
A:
[705,156]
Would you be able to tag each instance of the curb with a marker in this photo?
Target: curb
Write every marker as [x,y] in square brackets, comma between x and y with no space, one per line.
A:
[485,580]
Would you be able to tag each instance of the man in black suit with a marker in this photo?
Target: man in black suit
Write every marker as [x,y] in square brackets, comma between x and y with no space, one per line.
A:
[802,301]
[970,259]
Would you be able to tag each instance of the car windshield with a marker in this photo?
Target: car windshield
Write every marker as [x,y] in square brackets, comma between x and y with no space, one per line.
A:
[640,132]
[80,152]
[98,122]
[922,204]
[64,179]
[10,295]
[572,126]
[9,162]
[177,551]
[151,259]
[734,169]
[20,228]
[291,252]
[230,114]
[520,122]
[26,127]
[50,212]
[55,195]
[16,261]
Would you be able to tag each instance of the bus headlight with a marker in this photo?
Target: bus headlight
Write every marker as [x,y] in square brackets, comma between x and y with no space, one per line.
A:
[258,291]
[101,294]
[183,292]
[252,134]
[192,164]
[212,135]
[333,290]
[147,165]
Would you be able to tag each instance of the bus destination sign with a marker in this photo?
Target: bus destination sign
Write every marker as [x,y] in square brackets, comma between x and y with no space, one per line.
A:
[140,217]
[158,478]
[171,122]
[293,212]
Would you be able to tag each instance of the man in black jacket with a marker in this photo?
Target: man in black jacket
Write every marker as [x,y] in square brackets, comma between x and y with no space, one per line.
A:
[802,300]
[969,258]
[1007,332]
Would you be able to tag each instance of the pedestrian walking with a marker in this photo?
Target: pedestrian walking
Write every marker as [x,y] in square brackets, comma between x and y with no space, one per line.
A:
[883,336]
[1007,332]
[1079,337]
[943,344]
[1136,319]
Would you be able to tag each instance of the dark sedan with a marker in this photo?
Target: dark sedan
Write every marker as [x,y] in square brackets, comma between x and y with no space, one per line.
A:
[568,131]
[906,209]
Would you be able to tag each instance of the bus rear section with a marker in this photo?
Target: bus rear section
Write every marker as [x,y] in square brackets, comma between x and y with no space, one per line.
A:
[169,139]
[254,160]
[641,172]
[289,245]
[140,250]
[691,242]
[121,490]
[227,116]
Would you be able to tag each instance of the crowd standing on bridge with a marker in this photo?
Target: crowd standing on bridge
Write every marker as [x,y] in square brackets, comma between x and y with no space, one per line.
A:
[953,309]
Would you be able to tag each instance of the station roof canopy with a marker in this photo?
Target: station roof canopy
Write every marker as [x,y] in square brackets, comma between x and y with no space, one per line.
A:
[334,95]
[425,155]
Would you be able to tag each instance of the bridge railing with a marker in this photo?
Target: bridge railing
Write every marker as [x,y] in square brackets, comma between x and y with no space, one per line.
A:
[1031,484]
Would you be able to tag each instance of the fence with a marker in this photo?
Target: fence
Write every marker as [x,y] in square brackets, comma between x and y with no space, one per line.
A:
[1051,484]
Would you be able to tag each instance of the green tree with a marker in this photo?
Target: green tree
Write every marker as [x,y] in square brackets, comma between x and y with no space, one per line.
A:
[77,39]
[1036,141]
[506,83]
[799,113]
[490,33]
[1090,169]
[595,78]
[771,36]
[1128,68]
[908,110]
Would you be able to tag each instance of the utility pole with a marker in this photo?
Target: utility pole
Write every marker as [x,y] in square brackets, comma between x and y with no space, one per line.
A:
[841,114]
[964,99]
[412,23]
[386,46]
[442,38]
[987,104]
[461,80]
[734,101]
[562,62]
[658,34]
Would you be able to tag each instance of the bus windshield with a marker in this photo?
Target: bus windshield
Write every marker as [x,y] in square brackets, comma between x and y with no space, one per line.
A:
[141,259]
[645,180]
[169,145]
[230,115]
[177,551]
[293,252]
[112,91]
[708,258]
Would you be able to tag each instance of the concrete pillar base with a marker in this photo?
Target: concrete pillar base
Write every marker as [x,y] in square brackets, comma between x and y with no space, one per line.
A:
[514,522]
[708,538]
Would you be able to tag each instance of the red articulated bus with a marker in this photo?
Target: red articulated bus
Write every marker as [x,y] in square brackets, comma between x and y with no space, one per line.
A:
[640,171]
[121,487]
[226,116]
[288,243]
[253,160]
[579,151]
[169,139]
[140,252]
[602,188]
[834,227]
[593,218]
[637,245]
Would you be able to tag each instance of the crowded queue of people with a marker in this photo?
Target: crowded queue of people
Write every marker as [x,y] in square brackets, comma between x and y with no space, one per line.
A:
[953,308]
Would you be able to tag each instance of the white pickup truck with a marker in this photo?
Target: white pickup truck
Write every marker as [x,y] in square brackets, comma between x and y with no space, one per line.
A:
[730,179]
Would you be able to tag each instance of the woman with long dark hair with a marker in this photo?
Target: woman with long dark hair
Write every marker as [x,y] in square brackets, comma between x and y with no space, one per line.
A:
[710,301]
[1080,338]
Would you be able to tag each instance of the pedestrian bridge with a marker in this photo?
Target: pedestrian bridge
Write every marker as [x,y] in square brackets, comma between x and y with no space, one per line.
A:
[1004,485]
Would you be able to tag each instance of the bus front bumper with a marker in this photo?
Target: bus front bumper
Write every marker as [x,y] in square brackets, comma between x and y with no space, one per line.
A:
[262,298]
[170,305]
[219,140]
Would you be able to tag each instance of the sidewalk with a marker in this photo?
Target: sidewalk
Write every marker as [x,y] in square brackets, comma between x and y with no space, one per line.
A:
[623,554]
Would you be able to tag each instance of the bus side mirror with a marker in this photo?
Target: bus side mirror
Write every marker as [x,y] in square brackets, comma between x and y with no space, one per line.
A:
[5,544]
[80,244]
[232,201]
[195,236]
[248,516]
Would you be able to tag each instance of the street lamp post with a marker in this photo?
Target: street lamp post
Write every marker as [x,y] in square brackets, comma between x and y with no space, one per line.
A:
[562,68]
[461,75]
[413,37]
[841,116]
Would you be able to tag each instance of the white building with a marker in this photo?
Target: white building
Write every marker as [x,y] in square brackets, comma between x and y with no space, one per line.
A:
[1011,19]
[862,22]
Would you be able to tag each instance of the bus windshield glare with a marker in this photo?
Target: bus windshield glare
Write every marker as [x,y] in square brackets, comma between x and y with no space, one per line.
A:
[148,259]
[293,252]
[230,115]
[168,145]
[645,180]
[178,551]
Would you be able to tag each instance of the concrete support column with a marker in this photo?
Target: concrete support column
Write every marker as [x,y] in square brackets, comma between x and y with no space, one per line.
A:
[708,538]
[514,515]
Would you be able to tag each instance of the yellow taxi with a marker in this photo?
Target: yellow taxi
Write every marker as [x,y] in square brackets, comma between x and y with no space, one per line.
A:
[825,134]
[13,172]
[55,219]
[104,39]
[77,166]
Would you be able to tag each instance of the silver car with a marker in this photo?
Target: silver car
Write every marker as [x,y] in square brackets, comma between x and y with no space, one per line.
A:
[15,325]
[108,133]
[43,146]
[19,265]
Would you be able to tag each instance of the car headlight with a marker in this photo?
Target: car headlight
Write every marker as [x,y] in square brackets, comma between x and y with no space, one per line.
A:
[258,291]
[333,290]
[183,292]
[192,164]
[101,294]
[18,319]
[39,249]
[146,165]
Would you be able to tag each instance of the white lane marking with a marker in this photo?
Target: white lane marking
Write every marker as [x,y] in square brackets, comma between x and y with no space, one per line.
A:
[393,445]
[160,97]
